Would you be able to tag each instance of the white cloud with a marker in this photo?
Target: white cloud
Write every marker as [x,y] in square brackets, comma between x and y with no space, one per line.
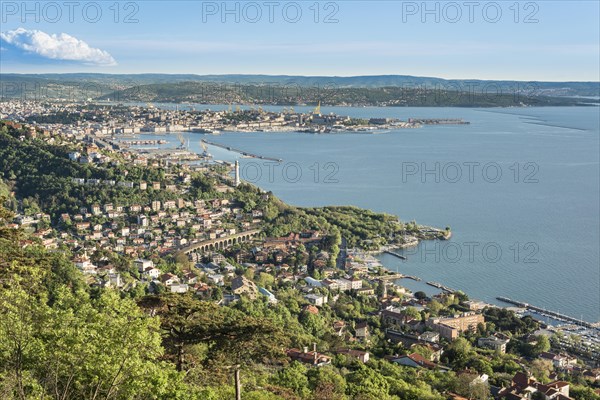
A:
[56,47]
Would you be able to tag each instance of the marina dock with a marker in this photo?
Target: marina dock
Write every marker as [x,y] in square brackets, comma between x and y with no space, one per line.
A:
[553,314]
[242,152]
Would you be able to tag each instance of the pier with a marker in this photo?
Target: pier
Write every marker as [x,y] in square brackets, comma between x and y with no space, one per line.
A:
[414,278]
[391,277]
[400,256]
[438,121]
[556,315]
[242,152]
[440,286]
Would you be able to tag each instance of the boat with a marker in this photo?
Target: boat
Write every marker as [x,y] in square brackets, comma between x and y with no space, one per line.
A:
[206,131]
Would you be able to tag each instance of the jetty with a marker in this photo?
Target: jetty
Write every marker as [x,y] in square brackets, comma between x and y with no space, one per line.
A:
[391,277]
[553,314]
[400,256]
[438,121]
[242,152]
[396,276]
[440,286]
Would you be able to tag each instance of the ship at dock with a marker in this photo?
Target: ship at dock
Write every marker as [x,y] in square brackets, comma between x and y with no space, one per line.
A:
[206,131]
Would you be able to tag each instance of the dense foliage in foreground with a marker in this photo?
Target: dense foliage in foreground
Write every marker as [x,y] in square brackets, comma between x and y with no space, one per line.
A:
[61,338]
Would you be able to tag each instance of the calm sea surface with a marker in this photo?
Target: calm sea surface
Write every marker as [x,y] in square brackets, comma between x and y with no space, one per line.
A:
[518,187]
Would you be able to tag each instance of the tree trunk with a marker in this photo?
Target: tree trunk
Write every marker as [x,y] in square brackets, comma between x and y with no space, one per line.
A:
[180,357]
[238,385]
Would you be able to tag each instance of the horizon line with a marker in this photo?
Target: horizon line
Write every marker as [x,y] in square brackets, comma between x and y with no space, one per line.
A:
[292,76]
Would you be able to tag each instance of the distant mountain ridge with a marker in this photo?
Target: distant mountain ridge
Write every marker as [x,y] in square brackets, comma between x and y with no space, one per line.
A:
[541,88]
[377,90]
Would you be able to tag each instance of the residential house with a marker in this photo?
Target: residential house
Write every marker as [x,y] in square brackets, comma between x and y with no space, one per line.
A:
[362,330]
[311,309]
[523,386]
[151,273]
[217,279]
[312,358]
[190,278]
[316,299]
[142,264]
[493,342]
[414,360]
[362,356]
[394,318]
[559,360]
[431,337]
[312,281]
[84,264]
[169,279]
[242,285]
[113,280]
[339,327]
[179,288]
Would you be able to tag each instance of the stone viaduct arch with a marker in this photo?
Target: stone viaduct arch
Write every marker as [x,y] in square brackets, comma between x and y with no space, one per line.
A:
[220,243]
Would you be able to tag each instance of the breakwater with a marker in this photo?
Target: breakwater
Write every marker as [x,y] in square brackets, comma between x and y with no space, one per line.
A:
[242,152]
[440,286]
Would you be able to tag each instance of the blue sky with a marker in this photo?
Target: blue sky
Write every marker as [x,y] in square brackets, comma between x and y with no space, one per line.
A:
[545,40]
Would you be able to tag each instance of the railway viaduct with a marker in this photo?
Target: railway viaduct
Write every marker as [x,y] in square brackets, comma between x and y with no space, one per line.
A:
[219,243]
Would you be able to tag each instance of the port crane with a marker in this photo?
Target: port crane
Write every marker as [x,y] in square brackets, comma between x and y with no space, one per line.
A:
[183,144]
[317,110]
[205,152]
